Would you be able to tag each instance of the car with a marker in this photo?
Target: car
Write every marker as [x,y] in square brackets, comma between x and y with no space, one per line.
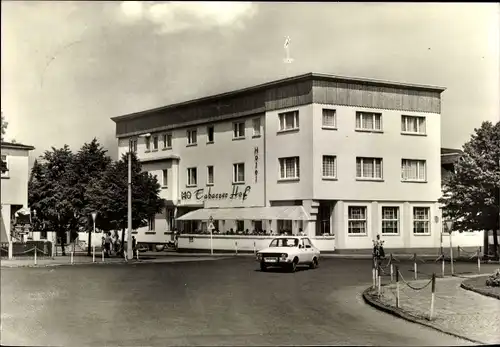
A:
[289,252]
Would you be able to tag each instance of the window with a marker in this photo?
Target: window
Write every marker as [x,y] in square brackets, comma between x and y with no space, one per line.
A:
[148,143]
[43,235]
[240,225]
[257,225]
[210,175]
[167,140]
[210,134]
[284,226]
[239,173]
[329,118]
[329,166]
[132,145]
[165,178]
[155,143]
[151,223]
[256,127]
[370,168]
[357,220]
[390,220]
[192,137]
[170,219]
[289,120]
[4,166]
[369,121]
[413,124]
[289,168]
[239,130]
[191,176]
[421,220]
[413,170]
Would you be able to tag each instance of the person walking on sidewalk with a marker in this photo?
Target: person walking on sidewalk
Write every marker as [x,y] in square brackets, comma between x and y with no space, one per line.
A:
[378,248]
[134,246]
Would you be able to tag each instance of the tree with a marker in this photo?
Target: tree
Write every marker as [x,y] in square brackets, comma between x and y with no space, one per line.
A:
[472,193]
[3,126]
[109,196]
[90,163]
[50,192]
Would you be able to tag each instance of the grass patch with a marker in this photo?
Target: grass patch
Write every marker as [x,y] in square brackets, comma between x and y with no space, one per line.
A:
[478,285]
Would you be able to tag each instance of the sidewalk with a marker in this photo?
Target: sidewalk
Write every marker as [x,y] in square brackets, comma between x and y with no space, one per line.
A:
[457,311]
[66,261]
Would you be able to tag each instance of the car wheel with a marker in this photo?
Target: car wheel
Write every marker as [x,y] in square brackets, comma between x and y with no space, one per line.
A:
[293,265]
[263,267]
[314,263]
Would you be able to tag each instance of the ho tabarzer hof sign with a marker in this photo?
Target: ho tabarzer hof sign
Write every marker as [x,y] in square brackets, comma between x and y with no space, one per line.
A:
[201,194]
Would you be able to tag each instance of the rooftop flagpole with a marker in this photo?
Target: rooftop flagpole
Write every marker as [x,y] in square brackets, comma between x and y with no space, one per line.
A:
[287,60]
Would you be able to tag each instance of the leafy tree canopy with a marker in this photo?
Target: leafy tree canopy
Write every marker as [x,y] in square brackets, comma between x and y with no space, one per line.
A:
[471,193]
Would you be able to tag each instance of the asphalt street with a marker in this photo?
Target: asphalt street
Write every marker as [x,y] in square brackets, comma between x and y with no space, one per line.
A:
[222,302]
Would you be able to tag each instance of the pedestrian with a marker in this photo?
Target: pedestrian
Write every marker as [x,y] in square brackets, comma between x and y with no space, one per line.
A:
[108,243]
[134,246]
[379,244]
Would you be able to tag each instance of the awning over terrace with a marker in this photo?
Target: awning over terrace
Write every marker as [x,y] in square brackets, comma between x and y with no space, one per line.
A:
[249,213]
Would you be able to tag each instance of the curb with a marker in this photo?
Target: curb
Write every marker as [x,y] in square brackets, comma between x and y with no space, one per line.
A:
[401,314]
[475,290]
[110,263]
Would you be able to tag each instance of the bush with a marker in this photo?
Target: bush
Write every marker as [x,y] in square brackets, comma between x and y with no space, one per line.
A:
[494,280]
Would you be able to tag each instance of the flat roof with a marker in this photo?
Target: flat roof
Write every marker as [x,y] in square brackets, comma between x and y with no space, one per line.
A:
[14,145]
[307,76]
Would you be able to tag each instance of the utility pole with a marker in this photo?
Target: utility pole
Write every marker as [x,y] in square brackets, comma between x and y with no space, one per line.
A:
[129,205]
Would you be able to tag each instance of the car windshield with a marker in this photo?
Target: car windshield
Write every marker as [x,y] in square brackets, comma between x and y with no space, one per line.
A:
[284,242]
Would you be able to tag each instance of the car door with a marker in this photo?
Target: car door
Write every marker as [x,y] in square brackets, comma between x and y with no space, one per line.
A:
[309,250]
[303,253]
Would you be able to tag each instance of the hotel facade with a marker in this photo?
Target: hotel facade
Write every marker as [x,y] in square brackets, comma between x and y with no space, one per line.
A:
[339,159]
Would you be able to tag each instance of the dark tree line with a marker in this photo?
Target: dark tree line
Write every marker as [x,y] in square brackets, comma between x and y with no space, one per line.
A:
[66,187]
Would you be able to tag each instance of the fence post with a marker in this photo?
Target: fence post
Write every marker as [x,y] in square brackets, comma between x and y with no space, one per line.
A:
[35,254]
[102,256]
[71,256]
[236,246]
[11,246]
[254,248]
[432,295]
[451,259]
[379,278]
[479,260]
[137,254]
[374,276]
[415,265]
[93,254]
[397,286]
[53,249]
[392,270]
[442,265]
[458,252]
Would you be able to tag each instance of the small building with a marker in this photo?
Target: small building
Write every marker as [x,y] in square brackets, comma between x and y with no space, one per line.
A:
[14,194]
[339,159]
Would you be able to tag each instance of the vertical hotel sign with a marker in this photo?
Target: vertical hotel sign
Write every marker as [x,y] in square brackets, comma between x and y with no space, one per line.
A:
[256,157]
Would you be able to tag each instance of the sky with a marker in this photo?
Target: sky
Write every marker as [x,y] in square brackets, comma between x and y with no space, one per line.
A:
[68,67]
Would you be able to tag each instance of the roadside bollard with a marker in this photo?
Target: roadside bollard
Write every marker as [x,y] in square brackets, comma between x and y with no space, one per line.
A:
[458,252]
[35,255]
[71,258]
[93,254]
[102,256]
[392,268]
[52,249]
[137,254]
[432,295]
[236,246]
[397,286]
[11,250]
[254,248]
[415,265]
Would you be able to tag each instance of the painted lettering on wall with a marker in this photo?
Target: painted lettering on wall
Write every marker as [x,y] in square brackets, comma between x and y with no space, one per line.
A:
[256,156]
[202,194]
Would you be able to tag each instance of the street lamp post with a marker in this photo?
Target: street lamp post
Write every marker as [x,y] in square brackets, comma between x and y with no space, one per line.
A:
[449,226]
[94,216]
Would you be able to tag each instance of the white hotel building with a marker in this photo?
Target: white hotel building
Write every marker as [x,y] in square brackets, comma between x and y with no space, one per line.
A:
[343,159]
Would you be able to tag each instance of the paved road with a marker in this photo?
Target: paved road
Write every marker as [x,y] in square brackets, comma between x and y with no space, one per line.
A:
[224,302]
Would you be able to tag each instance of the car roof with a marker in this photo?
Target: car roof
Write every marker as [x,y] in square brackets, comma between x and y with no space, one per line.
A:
[291,237]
